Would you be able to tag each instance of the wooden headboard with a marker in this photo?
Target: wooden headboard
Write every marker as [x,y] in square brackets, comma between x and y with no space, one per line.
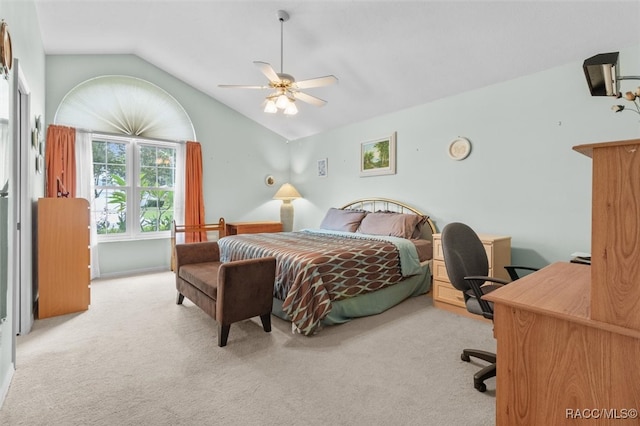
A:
[387,204]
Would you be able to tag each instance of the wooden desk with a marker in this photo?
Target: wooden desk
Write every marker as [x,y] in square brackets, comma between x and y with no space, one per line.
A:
[552,357]
[234,228]
[569,335]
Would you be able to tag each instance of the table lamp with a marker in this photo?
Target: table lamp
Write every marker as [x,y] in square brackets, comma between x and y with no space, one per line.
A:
[286,193]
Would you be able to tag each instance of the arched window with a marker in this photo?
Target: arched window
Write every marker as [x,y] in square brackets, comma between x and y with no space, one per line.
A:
[136,132]
[126,106]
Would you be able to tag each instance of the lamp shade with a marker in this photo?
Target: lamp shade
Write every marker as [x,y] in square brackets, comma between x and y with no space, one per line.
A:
[287,192]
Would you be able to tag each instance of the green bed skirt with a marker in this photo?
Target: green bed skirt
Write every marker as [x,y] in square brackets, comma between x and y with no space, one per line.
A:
[370,303]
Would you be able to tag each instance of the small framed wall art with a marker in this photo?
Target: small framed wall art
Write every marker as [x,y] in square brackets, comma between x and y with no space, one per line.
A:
[40,128]
[6,51]
[378,156]
[35,139]
[39,164]
[37,134]
[323,170]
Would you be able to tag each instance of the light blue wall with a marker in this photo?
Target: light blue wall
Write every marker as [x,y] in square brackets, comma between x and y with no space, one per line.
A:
[522,178]
[28,49]
[237,153]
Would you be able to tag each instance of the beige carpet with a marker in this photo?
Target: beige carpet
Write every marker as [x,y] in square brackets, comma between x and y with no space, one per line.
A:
[137,358]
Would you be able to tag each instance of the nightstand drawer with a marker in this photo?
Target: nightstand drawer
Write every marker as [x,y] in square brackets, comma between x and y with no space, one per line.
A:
[437,248]
[440,271]
[444,292]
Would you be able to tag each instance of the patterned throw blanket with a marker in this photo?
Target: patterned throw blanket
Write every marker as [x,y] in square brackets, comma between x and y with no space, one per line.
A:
[315,269]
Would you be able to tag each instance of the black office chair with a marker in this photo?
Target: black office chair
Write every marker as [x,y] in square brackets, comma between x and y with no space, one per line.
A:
[468,269]
[512,270]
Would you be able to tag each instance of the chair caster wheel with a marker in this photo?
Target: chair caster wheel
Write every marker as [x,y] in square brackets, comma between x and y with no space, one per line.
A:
[481,387]
[465,357]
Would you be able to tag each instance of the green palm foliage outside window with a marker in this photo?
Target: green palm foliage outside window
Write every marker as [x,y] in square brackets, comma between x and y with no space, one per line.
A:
[156,182]
[154,168]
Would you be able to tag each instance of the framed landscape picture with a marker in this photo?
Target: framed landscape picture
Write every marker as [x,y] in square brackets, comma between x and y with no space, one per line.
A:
[322,168]
[378,156]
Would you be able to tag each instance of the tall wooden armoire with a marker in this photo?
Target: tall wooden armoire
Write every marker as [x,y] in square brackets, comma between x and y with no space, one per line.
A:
[63,256]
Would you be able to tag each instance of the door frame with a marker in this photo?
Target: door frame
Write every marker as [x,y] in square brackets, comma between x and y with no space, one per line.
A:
[24,165]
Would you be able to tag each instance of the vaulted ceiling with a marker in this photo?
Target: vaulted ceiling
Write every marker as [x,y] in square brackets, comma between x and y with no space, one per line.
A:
[387,55]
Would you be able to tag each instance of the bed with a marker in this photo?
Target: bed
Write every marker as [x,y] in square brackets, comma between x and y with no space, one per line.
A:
[364,258]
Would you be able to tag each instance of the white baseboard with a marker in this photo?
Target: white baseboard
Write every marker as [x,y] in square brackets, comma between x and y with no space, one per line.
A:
[133,272]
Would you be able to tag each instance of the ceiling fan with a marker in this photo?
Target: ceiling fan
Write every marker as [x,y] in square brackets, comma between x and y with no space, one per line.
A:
[285,89]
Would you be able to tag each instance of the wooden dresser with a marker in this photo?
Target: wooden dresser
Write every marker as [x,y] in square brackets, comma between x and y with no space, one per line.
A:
[63,256]
[234,228]
[568,336]
[445,296]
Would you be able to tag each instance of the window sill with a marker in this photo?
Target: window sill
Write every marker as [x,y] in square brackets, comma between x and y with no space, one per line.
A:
[132,239]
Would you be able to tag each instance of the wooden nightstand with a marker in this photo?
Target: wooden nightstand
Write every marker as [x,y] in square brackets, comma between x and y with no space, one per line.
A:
[235,228]
[445,296]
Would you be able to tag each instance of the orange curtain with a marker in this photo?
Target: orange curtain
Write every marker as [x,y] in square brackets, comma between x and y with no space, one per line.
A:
[193,196]
[60,158]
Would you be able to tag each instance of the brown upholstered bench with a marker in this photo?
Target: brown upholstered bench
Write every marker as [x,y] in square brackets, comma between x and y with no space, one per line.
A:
[228,292]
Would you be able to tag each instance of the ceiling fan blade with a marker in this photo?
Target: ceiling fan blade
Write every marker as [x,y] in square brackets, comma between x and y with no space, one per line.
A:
[267,70]
[309,99]
[316,82]
[240,86]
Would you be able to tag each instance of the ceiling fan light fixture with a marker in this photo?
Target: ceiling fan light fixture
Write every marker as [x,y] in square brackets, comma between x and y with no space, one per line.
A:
[285,88]
[282,102]
[291,109]
[270,107]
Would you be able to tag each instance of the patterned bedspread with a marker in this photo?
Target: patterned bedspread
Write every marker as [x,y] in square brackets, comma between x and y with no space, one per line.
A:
[315,269]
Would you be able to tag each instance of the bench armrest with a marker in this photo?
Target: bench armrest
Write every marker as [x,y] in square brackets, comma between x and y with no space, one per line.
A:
[245,289]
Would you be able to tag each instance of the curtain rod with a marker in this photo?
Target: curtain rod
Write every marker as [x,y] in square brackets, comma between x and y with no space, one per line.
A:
[122,135]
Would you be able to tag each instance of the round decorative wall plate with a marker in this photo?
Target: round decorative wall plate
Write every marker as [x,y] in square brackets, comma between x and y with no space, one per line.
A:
[459,148]
[6,54]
